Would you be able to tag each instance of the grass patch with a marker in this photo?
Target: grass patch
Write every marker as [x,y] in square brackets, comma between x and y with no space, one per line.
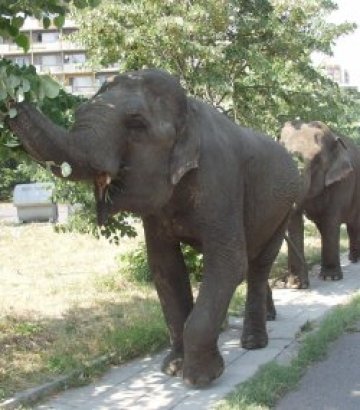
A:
[61,310]
[34,352]
[237,303]
[273,380]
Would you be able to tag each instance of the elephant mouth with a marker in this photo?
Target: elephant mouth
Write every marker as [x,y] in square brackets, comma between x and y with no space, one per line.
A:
[106,189]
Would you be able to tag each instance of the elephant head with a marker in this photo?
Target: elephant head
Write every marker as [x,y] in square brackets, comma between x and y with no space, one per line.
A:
[322,156]
[131,139]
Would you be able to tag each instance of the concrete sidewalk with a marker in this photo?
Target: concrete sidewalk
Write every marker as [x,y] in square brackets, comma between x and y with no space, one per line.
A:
[141,385]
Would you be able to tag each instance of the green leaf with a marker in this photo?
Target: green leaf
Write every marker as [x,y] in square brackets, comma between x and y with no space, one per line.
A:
[13,81]
[20,95]
[26,85]
[59,21]
[17,21]
[51,87]
[22,40]
[12,113]
[66,169]
[12,30]
[80,4]
[46,22]
[3,94]
[94,3]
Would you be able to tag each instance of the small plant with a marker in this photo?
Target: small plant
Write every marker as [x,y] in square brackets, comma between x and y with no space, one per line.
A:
[135,265]
[237,303]
[193,261]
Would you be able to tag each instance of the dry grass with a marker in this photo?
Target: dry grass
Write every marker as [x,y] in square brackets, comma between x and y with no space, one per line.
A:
[47,273]
[63,302]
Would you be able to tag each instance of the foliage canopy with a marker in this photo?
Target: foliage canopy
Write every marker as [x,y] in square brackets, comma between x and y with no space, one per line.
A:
[250,58]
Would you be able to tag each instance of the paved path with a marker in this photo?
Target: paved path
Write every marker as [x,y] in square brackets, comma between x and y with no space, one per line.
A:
[140,384]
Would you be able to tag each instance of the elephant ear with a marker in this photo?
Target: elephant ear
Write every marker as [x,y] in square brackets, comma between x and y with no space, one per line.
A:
[185,155]
[341,165]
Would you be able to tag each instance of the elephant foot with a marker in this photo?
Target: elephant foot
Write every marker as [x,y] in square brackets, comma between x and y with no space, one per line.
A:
[331,273]
[271,315]
[200,373]
[252,341]
[297,282]
[354,256]
[172,365]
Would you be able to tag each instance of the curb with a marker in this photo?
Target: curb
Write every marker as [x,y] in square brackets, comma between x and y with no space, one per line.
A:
[35,394]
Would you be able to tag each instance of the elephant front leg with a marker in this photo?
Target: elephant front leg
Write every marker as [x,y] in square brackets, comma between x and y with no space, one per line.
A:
[330,253]
[297,268]
[270,307]
[224,266]
[174,290]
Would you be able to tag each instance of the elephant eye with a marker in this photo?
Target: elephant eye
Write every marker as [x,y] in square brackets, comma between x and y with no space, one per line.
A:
[135,121]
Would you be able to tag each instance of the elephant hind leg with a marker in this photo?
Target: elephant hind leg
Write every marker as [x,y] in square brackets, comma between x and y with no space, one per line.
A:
[354,242]
[298,277]
[259,305]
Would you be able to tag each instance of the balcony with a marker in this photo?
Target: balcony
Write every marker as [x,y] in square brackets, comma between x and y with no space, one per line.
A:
[10,49]
[36,47]
[84,90]
[66,68]
[32,24]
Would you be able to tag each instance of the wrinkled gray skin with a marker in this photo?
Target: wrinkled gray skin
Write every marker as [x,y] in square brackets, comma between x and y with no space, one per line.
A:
[331,196]
[194,177]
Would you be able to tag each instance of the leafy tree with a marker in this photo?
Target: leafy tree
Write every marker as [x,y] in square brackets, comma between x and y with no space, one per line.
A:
[13,14]
[250,58]
[22,83]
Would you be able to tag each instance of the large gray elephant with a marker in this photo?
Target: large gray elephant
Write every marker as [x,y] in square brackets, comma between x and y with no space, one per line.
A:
[194,177]
[330,167]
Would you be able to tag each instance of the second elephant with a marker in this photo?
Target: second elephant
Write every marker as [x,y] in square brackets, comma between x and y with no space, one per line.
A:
[330,168]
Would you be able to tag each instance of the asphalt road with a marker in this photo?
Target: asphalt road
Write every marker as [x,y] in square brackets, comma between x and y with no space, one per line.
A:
[333,384]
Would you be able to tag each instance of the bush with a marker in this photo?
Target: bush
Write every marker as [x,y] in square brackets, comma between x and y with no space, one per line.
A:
[135,266]
[10,175]
[193,261]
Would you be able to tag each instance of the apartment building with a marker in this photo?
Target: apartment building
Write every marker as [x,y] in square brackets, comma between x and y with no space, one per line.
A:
[51,52]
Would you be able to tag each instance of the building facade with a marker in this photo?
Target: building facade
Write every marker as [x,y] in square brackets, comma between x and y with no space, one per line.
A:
[52,53]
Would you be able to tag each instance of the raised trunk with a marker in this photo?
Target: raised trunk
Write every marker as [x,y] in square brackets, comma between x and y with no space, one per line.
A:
[51,145]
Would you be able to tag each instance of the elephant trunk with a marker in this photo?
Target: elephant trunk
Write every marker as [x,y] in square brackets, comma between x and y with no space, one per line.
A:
[51,145]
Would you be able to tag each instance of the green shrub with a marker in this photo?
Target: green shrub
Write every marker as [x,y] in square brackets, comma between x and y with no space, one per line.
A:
[135,266]
[194,262]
